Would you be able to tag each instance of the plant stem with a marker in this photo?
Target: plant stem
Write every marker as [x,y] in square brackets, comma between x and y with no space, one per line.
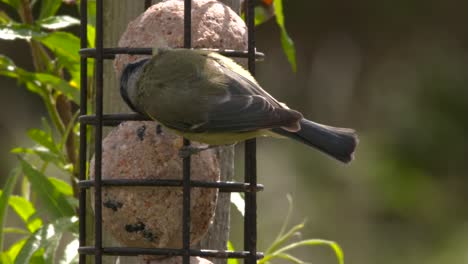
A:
[59,108]
[65,112]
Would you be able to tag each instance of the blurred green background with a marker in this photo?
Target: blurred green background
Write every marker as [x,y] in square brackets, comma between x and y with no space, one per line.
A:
[397,71]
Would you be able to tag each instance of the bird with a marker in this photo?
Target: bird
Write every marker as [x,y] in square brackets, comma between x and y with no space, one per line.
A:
[209,98]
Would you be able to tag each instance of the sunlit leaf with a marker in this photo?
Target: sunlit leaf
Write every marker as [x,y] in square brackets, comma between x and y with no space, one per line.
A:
[62,186]
[20,31]
[49,8]
[238,202]
[310,242]
[58,22]
[91,36]
[15,248]
[286,41]
[5,258]
[230,246]
[26,211]
[4,199]
[70,255]
[54,201]
[46,237]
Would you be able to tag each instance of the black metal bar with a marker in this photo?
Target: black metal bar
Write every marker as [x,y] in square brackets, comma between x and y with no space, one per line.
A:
[109,53]
[186,219]
[112,119]
[131,251]
[222,186]
[250,220]
[83,137]
[98,132]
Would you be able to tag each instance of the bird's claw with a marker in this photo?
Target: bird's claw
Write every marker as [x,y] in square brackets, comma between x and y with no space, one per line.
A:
[187,151]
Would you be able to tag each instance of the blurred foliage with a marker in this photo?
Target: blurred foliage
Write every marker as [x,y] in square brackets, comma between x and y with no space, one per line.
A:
[47,205]
[279,247]
[264,11]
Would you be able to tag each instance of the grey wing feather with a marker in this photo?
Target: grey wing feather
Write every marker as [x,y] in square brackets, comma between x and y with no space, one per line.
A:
[242,113]
[246,107]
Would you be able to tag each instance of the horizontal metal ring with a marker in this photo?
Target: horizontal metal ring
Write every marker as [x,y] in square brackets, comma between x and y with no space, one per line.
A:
[133,251]
[112,119]
[222,186]
[109,53]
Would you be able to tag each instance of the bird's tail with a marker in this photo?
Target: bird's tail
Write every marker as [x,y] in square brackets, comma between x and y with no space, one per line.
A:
[339,143]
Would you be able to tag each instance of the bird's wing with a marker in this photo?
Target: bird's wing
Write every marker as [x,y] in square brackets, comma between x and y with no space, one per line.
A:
[244,107]
[242,113]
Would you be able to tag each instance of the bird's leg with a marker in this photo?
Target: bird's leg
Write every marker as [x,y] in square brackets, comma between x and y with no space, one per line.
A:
[187,151]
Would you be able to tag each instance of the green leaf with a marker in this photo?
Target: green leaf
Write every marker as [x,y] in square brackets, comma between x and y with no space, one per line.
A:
[286,41]
[5,258]
[261,15]
[62,44]
[290,258]
[13,3]
[9,69]
[4,18]
[47,237]
[284,238]
[91,35]
[42,152]
[59,84]
[18,231]
[4,199]
[26,211]
[65,47]
[49,8]
[20,31]
[310,242]
[230,246]
[44,139]
[58,22]
[54,201]
[62,186]
[15,249]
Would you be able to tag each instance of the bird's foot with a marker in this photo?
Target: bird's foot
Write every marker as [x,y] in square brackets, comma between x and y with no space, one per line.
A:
[187,151]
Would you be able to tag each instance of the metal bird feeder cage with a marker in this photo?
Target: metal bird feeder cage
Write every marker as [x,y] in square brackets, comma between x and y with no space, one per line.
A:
[99,120]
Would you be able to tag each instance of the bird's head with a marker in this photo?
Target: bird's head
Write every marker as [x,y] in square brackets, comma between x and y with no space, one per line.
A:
[128,81]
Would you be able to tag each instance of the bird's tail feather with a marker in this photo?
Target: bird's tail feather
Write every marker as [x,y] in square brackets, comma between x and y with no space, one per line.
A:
[339,143]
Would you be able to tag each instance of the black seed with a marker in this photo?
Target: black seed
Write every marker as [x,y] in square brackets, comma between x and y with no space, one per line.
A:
[141,132]
[147,235]
[131,228]
[158,129]
[114,205]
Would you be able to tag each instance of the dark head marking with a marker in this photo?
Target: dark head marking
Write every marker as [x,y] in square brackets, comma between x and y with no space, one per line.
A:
[127,73]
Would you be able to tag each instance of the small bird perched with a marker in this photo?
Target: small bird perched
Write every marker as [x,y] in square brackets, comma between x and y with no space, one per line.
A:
[208,98]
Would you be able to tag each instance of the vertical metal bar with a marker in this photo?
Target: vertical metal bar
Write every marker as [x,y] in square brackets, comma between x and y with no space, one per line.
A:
[98,134]
[187,24]
[250,220]
[83,138]
[186,219]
